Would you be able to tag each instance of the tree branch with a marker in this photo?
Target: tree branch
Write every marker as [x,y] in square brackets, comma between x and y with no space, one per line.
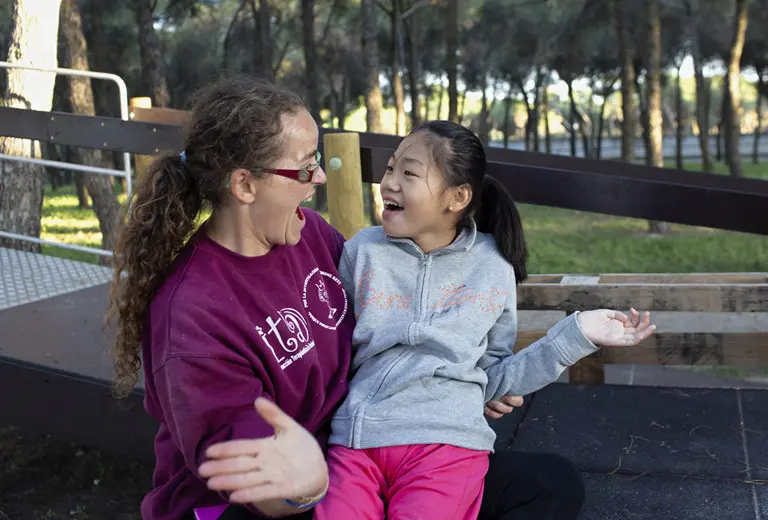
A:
[281,58]
[415,7]
[327,28]
[384,7]
[229,33]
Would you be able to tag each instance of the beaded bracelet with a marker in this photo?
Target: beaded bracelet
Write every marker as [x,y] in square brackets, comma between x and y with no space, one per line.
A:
[308,502]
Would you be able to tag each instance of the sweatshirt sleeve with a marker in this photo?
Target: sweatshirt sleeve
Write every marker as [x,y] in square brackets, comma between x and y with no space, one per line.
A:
[346,271]
[537,365]
[204,387]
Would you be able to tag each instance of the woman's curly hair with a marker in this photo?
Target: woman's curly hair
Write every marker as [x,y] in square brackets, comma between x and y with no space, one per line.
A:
[235,123]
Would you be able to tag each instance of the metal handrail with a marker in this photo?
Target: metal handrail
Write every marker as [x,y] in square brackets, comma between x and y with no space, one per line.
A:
[125,173]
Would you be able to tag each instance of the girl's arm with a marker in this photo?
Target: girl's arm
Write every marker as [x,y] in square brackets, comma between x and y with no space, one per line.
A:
[535,366]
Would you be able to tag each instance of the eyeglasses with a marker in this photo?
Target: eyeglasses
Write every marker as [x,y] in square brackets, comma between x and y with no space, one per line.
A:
[303,175]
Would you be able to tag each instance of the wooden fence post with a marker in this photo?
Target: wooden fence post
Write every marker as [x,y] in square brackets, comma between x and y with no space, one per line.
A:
[141,162]
[345,182]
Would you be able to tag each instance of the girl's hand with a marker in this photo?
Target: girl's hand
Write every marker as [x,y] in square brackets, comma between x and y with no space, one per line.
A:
[609,328]
[288,465]
[500,407]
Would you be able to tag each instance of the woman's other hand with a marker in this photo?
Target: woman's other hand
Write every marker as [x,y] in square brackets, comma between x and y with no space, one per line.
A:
[609,328]
[288,465]
[500,407]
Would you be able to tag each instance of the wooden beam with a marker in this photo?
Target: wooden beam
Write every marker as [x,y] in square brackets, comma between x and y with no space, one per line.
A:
[681,348]
[659,278]
[104,133]
[164,116]
[706,297]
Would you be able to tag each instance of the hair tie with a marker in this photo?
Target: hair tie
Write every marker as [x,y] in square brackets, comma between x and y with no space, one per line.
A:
[183,156]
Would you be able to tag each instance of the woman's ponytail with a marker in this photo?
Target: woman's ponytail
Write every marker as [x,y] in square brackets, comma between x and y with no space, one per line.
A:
[497,215]
[161,218]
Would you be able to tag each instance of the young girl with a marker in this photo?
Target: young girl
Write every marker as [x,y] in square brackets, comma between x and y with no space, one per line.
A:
[434,296]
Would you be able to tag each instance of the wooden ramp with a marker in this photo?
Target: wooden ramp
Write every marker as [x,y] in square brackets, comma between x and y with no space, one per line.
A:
[54,358]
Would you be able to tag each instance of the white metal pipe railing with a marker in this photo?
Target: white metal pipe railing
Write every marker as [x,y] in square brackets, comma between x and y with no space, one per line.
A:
[26,238]
[122,91]
[63,165]
[125,173]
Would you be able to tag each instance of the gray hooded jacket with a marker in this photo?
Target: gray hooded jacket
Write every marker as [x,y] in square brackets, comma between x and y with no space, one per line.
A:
[433,342]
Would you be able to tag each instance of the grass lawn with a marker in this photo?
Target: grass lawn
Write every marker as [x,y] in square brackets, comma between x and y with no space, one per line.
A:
[560,241]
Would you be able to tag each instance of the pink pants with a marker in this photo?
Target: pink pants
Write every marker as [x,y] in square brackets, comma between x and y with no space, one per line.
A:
[418,482]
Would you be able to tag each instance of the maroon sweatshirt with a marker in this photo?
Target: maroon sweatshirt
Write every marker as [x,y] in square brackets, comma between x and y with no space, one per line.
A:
[224,329]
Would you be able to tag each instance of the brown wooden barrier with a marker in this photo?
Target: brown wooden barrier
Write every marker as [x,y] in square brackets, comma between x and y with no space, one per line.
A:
[601,186]
[711,293]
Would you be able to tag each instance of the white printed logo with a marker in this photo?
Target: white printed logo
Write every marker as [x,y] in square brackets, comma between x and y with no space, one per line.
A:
[324,293]
[298,337]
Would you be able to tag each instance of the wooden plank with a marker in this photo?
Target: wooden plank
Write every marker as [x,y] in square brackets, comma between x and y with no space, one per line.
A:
[579,279]
[653,198]
[681,348]
[684,278]
[105,133]
[669,297]
[165,116]
[74,407]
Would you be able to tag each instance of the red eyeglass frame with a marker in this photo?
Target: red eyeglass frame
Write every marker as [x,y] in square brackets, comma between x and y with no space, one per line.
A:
[303,175]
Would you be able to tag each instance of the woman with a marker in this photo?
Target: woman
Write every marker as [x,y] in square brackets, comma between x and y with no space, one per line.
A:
[249,308]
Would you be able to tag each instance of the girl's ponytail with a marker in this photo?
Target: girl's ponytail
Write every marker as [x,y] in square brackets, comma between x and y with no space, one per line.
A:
[497,215]
[161,217]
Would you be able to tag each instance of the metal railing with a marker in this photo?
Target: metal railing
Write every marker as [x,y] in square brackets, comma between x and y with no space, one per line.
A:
[125,172]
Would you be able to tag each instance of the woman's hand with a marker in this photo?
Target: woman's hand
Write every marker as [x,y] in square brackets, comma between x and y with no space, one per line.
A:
[504,405]
[615,329]
[288,465]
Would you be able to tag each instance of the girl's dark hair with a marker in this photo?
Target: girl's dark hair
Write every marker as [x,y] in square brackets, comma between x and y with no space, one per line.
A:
[460,155]
[235,123]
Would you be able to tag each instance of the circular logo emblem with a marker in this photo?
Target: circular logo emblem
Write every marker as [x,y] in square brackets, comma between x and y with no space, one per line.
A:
[324,299]
[303,176]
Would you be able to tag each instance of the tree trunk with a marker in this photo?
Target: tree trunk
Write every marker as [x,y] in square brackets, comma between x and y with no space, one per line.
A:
[99,187]
[572,118]
[397,80]
[483,123]
[655,129]
[462,99]
[758,128]
[644,121]
[152,64]
[600,125]
[310,57]
[451,58]
[373,99]
[262,20]
[440,96]
[680,127]
[427,100]
[627,81]
[32,41]
[733,122]
[413,70]
[507,110]
[723,126]
[703,98]
[80,189]
[228,35]
[545,110]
